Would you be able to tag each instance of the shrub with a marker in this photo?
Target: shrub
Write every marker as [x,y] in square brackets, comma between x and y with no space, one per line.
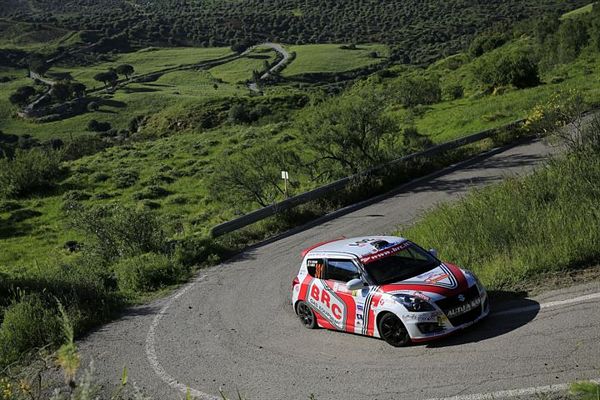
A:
[518,69]
[453,91]
[146,272]
[76,195]
[126,178]
[412,91]
[27,324]
[116,231]
[151,192]
[100,177]
[95,126]
[29,171]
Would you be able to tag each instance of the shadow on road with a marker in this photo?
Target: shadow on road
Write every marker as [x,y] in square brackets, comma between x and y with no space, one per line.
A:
[509,311]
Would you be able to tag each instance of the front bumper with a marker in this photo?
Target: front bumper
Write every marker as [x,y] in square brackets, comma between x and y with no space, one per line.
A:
[433,325]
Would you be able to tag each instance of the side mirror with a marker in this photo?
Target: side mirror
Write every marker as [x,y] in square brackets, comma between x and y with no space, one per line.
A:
[355,284]
[433,252]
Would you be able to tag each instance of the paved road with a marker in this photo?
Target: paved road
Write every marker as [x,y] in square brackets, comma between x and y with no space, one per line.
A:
[233,328]
[277,67]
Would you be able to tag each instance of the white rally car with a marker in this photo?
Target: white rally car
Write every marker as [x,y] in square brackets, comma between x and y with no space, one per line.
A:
[386,287]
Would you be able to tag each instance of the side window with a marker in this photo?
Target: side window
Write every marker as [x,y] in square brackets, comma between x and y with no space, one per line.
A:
[341,270]
[316,268]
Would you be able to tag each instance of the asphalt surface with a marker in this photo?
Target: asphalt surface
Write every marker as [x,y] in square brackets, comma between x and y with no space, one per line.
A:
[234,329]
[279,49]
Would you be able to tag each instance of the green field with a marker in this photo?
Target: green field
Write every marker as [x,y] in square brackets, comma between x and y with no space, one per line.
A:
[329,58]
[476,111]
[143,61]
[241,70]
[578,11]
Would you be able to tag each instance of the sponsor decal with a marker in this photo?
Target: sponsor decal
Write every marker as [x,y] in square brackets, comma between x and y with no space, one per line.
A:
[422,296]
[420,317]
[328,304]
[465,308]
[359,317]
[385,253]
[434,278]
[360,307]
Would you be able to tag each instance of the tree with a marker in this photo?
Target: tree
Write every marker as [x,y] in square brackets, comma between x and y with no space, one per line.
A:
[412,91]
[125,69]
[252,176]
[514,68]
[78,89]
[572,37]
[108,77]
[61,91]
[348,134]
[21,96]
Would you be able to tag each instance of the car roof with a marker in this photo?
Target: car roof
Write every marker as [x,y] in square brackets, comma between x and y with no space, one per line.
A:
[358,246]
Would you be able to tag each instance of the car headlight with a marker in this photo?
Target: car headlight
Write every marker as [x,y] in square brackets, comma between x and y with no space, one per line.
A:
[476,279]
[412,303]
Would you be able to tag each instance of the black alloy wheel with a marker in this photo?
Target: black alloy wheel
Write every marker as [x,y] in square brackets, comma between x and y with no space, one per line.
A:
[392,330]
[306,315]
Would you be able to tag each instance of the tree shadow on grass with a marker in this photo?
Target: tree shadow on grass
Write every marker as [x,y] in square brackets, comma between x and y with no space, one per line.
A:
[112,103]
[258,57]
[129,90]
[508,312]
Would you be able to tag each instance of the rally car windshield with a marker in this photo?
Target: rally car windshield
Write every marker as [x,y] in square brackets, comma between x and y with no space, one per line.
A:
[405,264]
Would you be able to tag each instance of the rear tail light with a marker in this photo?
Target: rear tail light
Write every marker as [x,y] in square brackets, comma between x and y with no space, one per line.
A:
[295,282]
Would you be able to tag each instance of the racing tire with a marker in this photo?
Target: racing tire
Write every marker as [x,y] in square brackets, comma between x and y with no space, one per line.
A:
[393,331]
[306,315]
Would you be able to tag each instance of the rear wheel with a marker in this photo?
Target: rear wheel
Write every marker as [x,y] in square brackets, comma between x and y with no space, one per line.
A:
[392,330]
[306,315]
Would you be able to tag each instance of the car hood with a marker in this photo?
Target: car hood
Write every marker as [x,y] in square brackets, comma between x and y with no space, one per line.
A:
[445,279]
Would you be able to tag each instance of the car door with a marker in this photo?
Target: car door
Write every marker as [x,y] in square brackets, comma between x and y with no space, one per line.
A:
[338,272]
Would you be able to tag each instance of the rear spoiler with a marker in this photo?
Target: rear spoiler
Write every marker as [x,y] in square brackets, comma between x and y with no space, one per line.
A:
[314,246]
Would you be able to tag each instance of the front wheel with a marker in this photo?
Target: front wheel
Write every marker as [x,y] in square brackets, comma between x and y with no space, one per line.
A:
[392,330]
[306,315]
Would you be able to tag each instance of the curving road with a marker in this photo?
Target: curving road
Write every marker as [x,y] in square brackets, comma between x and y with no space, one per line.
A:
[233,327]
[277,67]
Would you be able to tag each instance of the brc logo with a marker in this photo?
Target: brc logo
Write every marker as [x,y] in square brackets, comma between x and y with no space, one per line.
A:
[328,304]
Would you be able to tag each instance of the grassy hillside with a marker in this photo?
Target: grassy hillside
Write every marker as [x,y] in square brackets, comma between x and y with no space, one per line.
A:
[327,58]
[117,215]
[144,61]
[420,30]
[582,10]
[37,37]
[526,226]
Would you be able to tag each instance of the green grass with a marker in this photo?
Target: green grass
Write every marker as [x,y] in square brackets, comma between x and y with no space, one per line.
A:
[476,112]
[40,38]
[328,58]
[187,158]
[143,61]
[241,70]
[578,11]
[524,227]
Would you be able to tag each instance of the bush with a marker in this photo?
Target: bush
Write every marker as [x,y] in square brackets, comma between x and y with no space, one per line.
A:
[518,69]
[27,324]
[116,231]
[413,91]
[29,171]
[453,91]
[147,272]
[95,126]
[151,193]
[126,178]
